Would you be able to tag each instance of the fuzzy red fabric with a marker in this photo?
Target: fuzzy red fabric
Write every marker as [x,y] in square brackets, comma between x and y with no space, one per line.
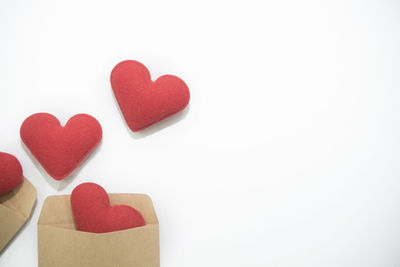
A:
[60,149]
[10,173]
[93,213]
[142,101]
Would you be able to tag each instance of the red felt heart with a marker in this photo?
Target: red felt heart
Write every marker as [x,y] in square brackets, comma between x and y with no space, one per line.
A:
[93,213]
[60,149]
[142,101]
[10,173]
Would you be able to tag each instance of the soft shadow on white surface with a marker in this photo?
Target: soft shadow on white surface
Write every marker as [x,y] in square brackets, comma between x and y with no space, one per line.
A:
[61,185]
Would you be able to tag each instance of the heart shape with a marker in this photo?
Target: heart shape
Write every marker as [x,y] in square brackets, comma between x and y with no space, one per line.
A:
[60,149]
[93,213]
[142,101]
[10,173]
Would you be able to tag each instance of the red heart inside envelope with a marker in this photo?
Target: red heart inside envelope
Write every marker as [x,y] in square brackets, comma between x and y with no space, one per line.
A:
[142,101]
[10,173]
[60,149]
[93,213]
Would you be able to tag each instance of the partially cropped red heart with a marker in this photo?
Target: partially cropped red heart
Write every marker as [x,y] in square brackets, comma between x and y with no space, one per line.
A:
[10,173]
[93,213]
[60,149]
[142,101]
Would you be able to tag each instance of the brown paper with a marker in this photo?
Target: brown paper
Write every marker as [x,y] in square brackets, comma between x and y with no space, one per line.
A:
[15,209]
[60,245]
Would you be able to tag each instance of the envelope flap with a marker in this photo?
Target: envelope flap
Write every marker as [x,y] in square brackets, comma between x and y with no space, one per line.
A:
[10,222]
[21,199]
[57,212]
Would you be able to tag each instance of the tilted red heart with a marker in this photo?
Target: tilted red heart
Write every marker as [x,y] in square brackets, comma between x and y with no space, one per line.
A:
[93,213]
[142,101]
[10,173]
[60,149]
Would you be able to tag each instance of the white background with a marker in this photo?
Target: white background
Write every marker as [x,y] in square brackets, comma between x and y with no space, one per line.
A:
[288,155]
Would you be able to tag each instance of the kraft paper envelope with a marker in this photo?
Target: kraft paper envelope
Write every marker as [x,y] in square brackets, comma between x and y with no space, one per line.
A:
[15,209]
[59,244]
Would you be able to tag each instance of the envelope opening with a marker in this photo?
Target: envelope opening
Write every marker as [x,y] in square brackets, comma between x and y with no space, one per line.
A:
[21,199]
[57,212]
